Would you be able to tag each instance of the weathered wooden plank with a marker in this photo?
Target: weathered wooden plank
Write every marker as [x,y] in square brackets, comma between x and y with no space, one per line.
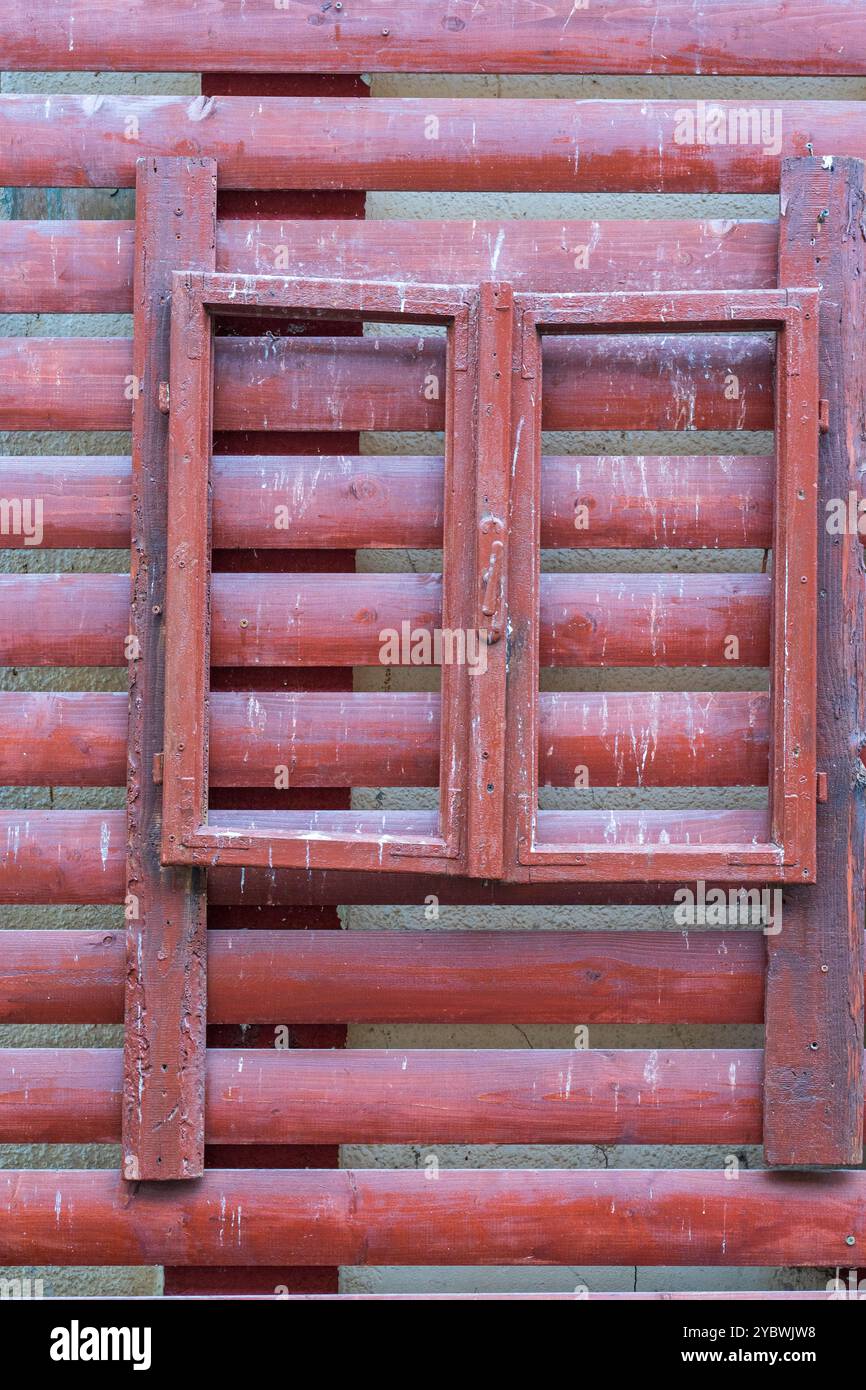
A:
[323,620]
[645,501]
[361,739]
[166,992]
[86,267]
[744,37]
[718,382]
[369,1096]
[815,1011]
[495,1217]
[323,977]
[76,857]
[424,143]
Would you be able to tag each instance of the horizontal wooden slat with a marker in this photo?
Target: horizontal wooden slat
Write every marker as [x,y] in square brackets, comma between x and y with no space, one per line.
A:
[77,857]
[382,501]
[86,267]
[376,1217]
[367,1096]
[422,143]
[367,739]
[750,37]
[264,976]
[327,620]
[591,383]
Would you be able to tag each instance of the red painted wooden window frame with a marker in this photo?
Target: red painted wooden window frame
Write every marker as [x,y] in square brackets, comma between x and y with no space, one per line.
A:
[788,855]
[488,817]
[431,841]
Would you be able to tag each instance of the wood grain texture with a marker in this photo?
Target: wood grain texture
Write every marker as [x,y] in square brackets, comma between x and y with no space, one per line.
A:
[300,620]
[370,383]
[363,739]
[495,1217]
[86,267]
[77,857]
[643,501]
[813,1101]
[371,1096]
[433,144]
[314,976]
[747,37]
[163,1093]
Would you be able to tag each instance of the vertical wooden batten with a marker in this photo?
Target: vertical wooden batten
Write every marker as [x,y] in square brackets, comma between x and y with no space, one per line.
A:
[166,986]
[813,1097]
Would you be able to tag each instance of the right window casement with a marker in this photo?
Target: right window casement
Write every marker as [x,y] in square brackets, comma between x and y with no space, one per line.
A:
[763,619]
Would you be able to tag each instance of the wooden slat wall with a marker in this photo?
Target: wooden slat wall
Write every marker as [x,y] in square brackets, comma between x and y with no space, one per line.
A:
[323,977]
[747,37]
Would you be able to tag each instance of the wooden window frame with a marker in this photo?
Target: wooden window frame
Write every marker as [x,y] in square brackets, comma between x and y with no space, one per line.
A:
[789,853]
[191,833]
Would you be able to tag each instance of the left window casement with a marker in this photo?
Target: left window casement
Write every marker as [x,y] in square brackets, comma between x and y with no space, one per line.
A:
[425,620]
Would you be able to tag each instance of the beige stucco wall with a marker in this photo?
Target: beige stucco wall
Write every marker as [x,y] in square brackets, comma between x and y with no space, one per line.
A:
[382,205]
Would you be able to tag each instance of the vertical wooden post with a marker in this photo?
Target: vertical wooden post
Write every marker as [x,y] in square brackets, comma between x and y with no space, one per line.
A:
[813,1091]
[164,1054]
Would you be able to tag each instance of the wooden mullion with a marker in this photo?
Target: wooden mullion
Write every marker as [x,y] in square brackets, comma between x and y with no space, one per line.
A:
[166,991]
[486,760]
[813,1099]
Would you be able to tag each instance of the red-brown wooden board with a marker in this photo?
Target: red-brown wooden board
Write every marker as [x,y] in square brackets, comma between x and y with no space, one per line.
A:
[379,384]
[493,1217]
[645,501]
[397,1096]
[316,976]
[80,619]
[813,1110]
[77,857]
[749,37]
[472,144]
[365,739]
[86,267]
[163,1104]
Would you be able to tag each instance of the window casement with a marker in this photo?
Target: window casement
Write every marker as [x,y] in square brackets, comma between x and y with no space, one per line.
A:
[668,620]
[370,621]
[501,619]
